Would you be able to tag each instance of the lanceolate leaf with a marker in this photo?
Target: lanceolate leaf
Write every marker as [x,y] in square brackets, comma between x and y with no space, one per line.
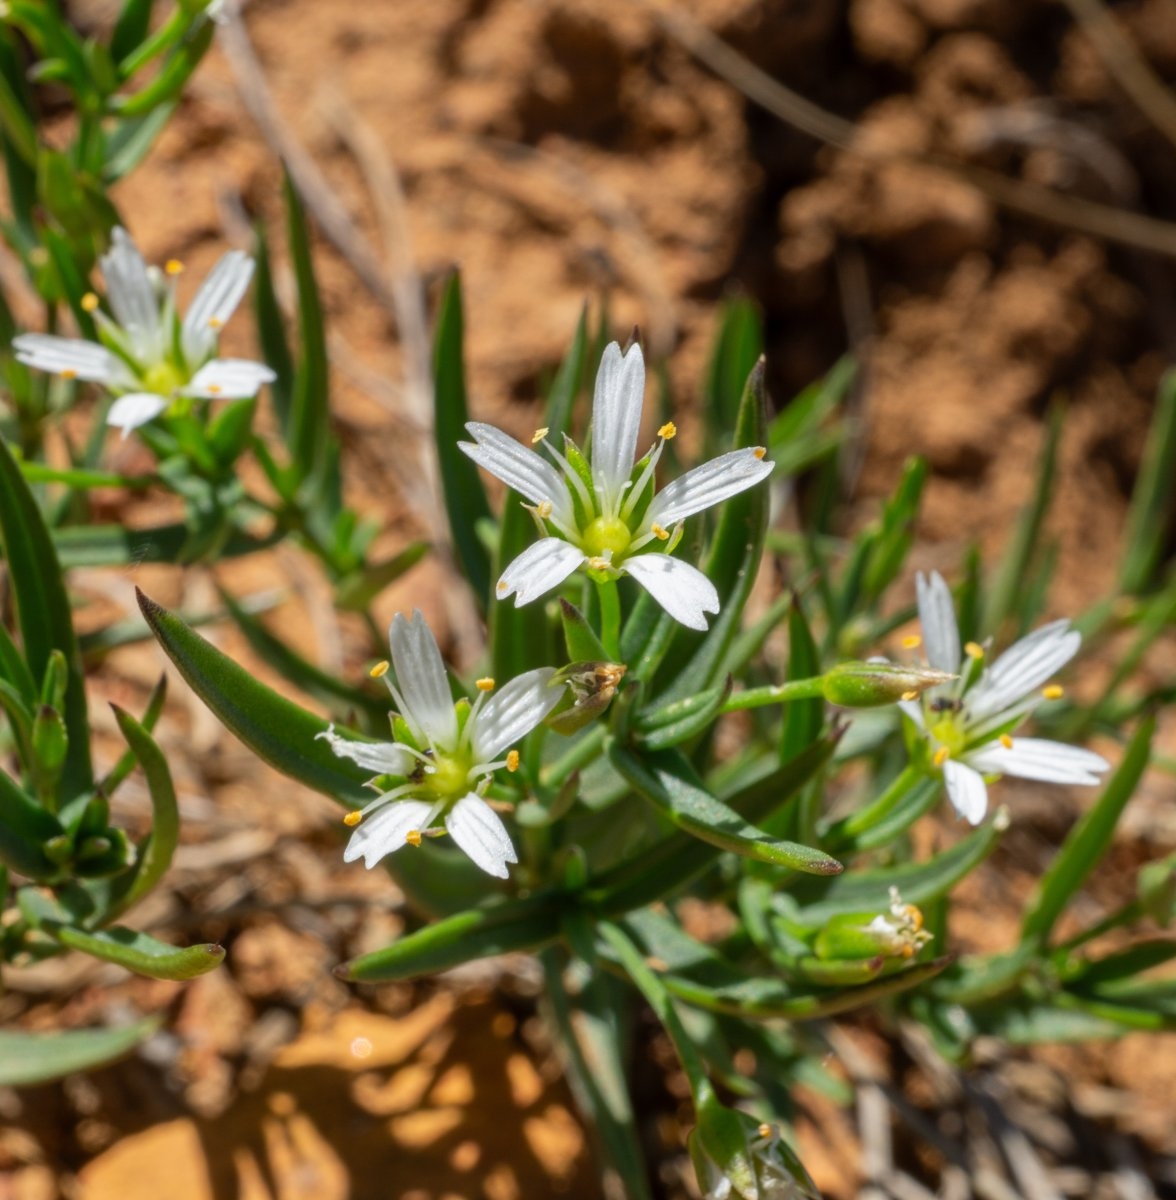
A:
[31,1058]
[465,498]
[139,952]
[43,611]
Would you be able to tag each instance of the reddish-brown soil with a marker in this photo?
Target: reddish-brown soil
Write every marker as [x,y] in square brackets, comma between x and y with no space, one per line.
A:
[559,152]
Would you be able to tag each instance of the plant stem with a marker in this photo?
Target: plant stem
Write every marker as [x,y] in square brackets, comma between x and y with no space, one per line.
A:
[868,817]
[610,618]
[580,755]
[780,693]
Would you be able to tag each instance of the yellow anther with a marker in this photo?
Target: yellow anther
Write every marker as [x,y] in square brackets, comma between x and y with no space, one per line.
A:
[941,756]
[502,588]
[544,508]
[215,389]
[1053,691]
[914,916]
[485,684]
[89,302]
[765,1130]
[667,431]
[1006,741]
[659,532]
[413,837]
[912,642]
[69,373]
[512,760]
[911,695]
[974,650]
[173,266]
[908,951]
[352,819]
[379,670]
[215,323]
[759,452]
[539,435]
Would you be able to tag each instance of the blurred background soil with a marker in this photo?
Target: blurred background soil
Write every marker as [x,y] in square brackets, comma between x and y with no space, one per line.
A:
[559,151]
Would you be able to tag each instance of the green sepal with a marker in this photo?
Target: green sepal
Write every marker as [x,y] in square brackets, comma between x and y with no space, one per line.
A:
[582,643]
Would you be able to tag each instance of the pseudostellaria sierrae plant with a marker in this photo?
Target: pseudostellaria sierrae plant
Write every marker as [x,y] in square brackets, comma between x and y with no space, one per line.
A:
[969,723]
[602,510]
[147,356]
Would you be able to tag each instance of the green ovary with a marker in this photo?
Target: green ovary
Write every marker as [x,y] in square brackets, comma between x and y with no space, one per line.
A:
[162,379]
[949,733]
[449,779]
[605,535]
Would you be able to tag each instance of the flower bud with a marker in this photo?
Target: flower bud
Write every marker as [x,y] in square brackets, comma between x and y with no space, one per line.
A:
[895,933]
[869,684]
[591,686]
[738,1158]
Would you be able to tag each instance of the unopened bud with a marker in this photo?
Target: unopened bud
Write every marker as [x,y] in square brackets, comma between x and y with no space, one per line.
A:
[869,684]
[897,932]
[591,687]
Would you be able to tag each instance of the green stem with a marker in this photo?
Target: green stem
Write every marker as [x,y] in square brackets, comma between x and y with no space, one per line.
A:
[1131,911]
[610,618]
[580,755]
[658,998]
[866,818]
[780,693]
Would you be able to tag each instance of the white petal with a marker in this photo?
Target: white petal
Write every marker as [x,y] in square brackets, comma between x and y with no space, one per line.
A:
[137,408]
[941,634]
[479,831]
[914,710]
[519,467]
[966,791]
[423,681]
[46,352]
[708,484]
[1023,668]
[616,419]
[214,304]
[513,711]
[381,758]
[384,832]
[229,379]
[1037,758]
[538,569]
[130,291]
[682,590]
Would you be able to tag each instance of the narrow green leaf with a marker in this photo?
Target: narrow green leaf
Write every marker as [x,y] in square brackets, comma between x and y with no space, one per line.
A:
[271,332]
[1088,841]
[127,762]
[32,1058]
[582,643]
[24,829]
[802,718]
[681,720]
[668,781]
[157,848]
[139,952]
[14,669]
[356,592]
[465,498]
[116,545]
[737,348]
[464,937]
[131,140]
[1153,500]
[43,611]
[131,28]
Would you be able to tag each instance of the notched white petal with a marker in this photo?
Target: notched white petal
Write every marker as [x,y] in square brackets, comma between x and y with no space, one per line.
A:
[518,467]
[1023,668]
[129,289]
[512,712]
[423,681]
[616,419]
[215,303]
[682,590]
[130,411]
[381,758]
[47,352]
[229,379]
[966,790]
[385,831]
[538,569]
[479,831]
[1041,760]
[941,634]
[707,485]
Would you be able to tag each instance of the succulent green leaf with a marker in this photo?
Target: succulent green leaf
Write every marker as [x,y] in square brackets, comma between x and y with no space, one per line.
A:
[32,1058]
[138,952]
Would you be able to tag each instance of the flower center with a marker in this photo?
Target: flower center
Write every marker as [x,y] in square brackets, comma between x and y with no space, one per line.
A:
[163,379]
[607,534]
[449,779]
[950,733]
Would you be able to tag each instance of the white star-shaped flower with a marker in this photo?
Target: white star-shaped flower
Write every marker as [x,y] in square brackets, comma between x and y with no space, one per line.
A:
[602,510]
[970,723]
[147,355]
[444,755]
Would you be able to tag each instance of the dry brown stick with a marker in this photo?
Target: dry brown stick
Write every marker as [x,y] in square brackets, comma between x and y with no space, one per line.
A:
[1084,216]
[1131,70]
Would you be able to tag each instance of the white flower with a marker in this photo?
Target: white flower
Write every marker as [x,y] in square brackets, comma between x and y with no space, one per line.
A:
[601,511]
[147,356]
[970,723]
[444,755]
